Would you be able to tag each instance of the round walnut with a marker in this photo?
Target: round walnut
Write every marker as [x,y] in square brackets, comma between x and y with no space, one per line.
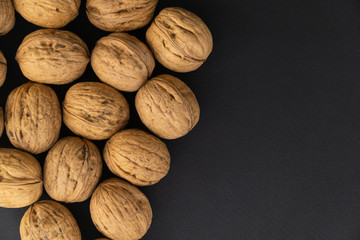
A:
[120,15]
[49,220]
[72,170]
[167,106]
[137,156]
[20,179]
[48,13]
[95,110]
[7,16]
[179,39]
[3,68]
[33,117]
[122,61]
[52,56]
[120,211]
[1,121]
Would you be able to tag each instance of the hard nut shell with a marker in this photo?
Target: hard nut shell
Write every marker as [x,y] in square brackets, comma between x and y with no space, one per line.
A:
[7,16]
[1,121]
[3,68]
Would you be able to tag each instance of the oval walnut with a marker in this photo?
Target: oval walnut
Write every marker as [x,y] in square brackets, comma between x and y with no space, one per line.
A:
[3,68]
[1,121]
[7,16]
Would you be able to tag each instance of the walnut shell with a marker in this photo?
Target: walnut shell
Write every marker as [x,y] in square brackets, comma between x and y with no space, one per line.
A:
[1,121]
[48,13]
[49,220]
[95,110]
[20,179]
[179,39]
[137,156]
[122,61]
[52,56]
[120,211]
[120,15]
[33,117]
[167,107]
[72,170]
[7,16]
[3,68]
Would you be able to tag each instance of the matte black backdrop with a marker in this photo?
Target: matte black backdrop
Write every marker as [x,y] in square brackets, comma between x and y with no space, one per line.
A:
[276,154]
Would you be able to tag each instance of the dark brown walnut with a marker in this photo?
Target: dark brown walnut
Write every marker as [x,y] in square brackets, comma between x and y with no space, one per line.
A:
[167,107]
[120,211]
[179,39]
[120,15]
[3,68]
[1,121]
[20,179]
[52,56]
[33,117]
[49,220]
[137,156]
[122,61]
[95,110]
[7,16]
[72,170]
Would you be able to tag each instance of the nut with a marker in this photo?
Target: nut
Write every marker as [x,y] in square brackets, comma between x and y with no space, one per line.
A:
[52,56]
[20,179]
[120,15]
[137,156]
[3,68]
[122,61]
[72,170]
[179,39]
[7,16]
[95,110]
[49,220]
[33,117]
[167,106]
[1,121]
[120,211]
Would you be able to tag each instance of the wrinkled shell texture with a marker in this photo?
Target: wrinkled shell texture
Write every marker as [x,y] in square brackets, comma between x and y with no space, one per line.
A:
[49,220]
[120,15]
[3,68]
[120,211]
[95,110]
[179,39]
[52,56]
[167,107]
[33,117]
[48,13]
[1,121]
[122,61]
[72,169]
[20,179]
[137,156]
[7,16]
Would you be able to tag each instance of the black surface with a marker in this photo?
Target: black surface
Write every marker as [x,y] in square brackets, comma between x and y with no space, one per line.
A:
[276,154]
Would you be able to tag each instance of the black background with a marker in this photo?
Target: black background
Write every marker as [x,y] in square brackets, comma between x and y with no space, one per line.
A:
[276,154]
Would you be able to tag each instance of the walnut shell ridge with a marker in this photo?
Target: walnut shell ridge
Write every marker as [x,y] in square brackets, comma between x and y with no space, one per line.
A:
[52,56]
[49,220]
[1,121]
[3,68]
[120,211]
[179,39]
[167,107]
[33,117]
[7,16]
[122,61]
[20,179]
[72,170]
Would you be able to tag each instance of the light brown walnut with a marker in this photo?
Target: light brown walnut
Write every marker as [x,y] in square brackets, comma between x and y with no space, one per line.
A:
[1,121]
[3,68]
[7,16]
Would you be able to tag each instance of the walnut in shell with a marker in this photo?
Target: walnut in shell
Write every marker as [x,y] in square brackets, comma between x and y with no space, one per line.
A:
[1,121]
[52,56]
[3,68]
[7,16]
[167,107]
[49,220]
[20,179]
[33,117]
[48,13]
[179,39]
[95,110]
[120,211]
[137,156]
[120,15]
[122,61]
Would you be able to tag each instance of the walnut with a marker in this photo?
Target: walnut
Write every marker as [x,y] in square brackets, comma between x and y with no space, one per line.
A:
[72,170]
[179,39]
[52,56]
[7,16]
[120,15]
[120,211]
[137,156]
[167,106]
[95,110]
[49,220]
[33,117]
[20,179]
[3,68]
[122,61]
[48,13]
[1,121]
